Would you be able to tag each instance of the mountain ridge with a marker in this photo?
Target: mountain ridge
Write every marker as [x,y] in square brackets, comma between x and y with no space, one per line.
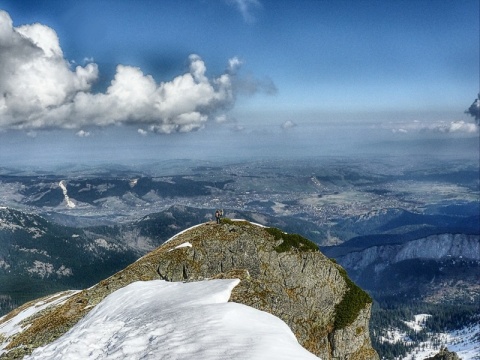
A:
[300,286]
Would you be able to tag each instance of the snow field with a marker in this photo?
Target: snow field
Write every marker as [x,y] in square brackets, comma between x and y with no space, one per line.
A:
[168,320]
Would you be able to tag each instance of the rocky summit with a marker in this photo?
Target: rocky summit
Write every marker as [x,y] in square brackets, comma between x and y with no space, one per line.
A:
[283,274]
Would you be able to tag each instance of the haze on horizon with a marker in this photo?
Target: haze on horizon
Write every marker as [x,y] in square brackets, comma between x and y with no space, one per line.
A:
[124,82]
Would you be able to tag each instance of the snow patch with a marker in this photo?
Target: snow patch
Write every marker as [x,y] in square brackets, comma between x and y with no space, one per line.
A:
[187,244]
[194,226]
[34,251]
[15,325]
[70,203]
[9,226]
[418,323]
[132,183]
[36,232]
[44,270]
[100,242]
[173,320]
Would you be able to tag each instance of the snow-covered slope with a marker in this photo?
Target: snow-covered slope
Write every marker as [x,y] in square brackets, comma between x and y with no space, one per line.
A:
[173,320]
[465,341]
[14,324]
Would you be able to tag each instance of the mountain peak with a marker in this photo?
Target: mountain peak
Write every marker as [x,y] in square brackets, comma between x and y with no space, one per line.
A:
[282,274]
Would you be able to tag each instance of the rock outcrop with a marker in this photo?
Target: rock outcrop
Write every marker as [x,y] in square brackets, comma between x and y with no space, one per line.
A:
[281,274]
[444,354]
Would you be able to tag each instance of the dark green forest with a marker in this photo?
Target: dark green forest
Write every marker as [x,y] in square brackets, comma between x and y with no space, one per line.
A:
[391,314]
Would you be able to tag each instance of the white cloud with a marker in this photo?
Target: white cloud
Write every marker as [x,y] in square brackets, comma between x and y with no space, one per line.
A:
[34,76]
[83,133]
[246,8]
[439,127]
[461,126]
[43,37]
[288,125]
[38,89]
[142,132]
[233,64]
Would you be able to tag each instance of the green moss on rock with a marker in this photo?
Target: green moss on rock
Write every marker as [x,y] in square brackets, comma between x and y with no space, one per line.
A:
[233,222]
[354,300]
[291,240]
[226,221]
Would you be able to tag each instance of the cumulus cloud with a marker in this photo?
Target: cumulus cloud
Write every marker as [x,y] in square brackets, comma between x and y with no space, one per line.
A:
[39,89]
[34,76]
[142,132]
[439,127]
[461,126]
[246,8]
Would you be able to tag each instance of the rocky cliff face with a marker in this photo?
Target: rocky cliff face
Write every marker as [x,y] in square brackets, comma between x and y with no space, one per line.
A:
[444,266]
[279,274]
[433,247]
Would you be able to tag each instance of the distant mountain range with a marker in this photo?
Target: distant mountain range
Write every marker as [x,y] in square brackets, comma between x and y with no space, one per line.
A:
[422,268]
[395,226]
[412,264]
[415,249]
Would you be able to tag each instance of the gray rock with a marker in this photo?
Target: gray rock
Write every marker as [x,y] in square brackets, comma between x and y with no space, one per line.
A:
[444,354]
[303,288]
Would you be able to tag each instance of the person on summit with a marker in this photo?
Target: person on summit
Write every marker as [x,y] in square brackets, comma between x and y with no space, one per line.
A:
[217,216]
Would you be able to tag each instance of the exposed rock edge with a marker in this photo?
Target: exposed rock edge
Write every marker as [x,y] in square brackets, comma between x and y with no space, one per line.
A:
[300,287]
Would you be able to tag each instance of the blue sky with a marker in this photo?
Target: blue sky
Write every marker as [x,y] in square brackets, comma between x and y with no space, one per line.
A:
[337,69]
